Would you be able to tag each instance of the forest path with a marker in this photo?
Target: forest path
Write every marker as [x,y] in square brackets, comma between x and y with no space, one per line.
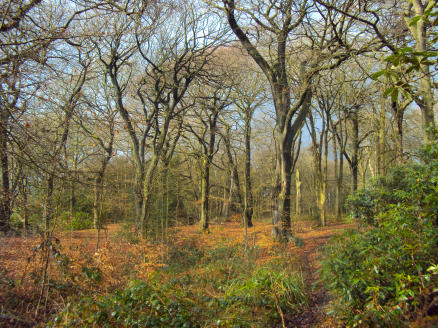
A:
[314,239]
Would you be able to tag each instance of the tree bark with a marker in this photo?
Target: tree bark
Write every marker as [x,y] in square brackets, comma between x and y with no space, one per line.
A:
[98,191]
[323,190]
[72,202]
[355,141]
[209,150]
[147,190]
[48,204]
[340,180]
[298,207]
[426,98]
[398,113]
[227,195]
[337,193]
[320,166]
[381,139]
[235,174]
[5,206]
[137,147]
[205,194]
[138,194]
[249,206]
[25,207]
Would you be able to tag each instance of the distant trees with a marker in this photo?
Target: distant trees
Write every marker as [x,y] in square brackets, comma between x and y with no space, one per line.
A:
[329,47]
[165,112]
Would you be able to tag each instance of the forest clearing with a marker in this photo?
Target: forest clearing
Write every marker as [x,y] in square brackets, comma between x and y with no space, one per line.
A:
[229,163]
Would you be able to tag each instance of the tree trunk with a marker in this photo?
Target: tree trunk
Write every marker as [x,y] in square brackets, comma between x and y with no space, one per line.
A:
[364,173]
[285,128]
[5,206]
[209,151]
[381,139]
[298,207]
[340,198]
[335,153]
[96,200]
[147,190]
[427,104]
[205,193]
[323,184]
[25,206]
[98,191]
[355,156]
[398,113]
[227,196]
[248,212]
[48,205]
[72,201]
[281,219]
[138,195]
[426,99]
[234,171]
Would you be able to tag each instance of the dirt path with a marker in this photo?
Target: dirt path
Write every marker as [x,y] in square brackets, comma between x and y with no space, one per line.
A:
[315,315]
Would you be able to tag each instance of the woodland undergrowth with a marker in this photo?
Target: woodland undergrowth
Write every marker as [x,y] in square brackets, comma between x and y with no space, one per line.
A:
[386,274]
[189,280]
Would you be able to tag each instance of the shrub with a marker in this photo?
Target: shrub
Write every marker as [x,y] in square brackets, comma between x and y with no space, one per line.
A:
[265,287]
[139,305]
[384,191]
[78,221]
[413,185]
[380,276]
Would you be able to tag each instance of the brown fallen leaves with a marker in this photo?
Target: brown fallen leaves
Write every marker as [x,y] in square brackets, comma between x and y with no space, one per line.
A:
[119,261]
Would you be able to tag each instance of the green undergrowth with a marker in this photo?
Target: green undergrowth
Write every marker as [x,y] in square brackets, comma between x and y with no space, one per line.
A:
[384,274]
[225,286]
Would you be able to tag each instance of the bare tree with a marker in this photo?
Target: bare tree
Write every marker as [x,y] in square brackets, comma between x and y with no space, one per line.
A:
[273,23]
[213,98]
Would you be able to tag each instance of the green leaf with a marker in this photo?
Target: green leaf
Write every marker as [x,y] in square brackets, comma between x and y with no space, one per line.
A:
[415,20]
[388,91]
[394,94]
[378,74]
[405,50]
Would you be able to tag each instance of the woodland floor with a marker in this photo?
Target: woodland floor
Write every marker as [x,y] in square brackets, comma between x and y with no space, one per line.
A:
[117,258]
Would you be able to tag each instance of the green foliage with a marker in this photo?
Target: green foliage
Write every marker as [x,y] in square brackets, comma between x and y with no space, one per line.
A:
[412,185]
[264,285]
[16,221]
[218,287]
[381,276]
[244,288]
[182,258]
[78,221]
[92,274]
[406,60]
[139,305]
